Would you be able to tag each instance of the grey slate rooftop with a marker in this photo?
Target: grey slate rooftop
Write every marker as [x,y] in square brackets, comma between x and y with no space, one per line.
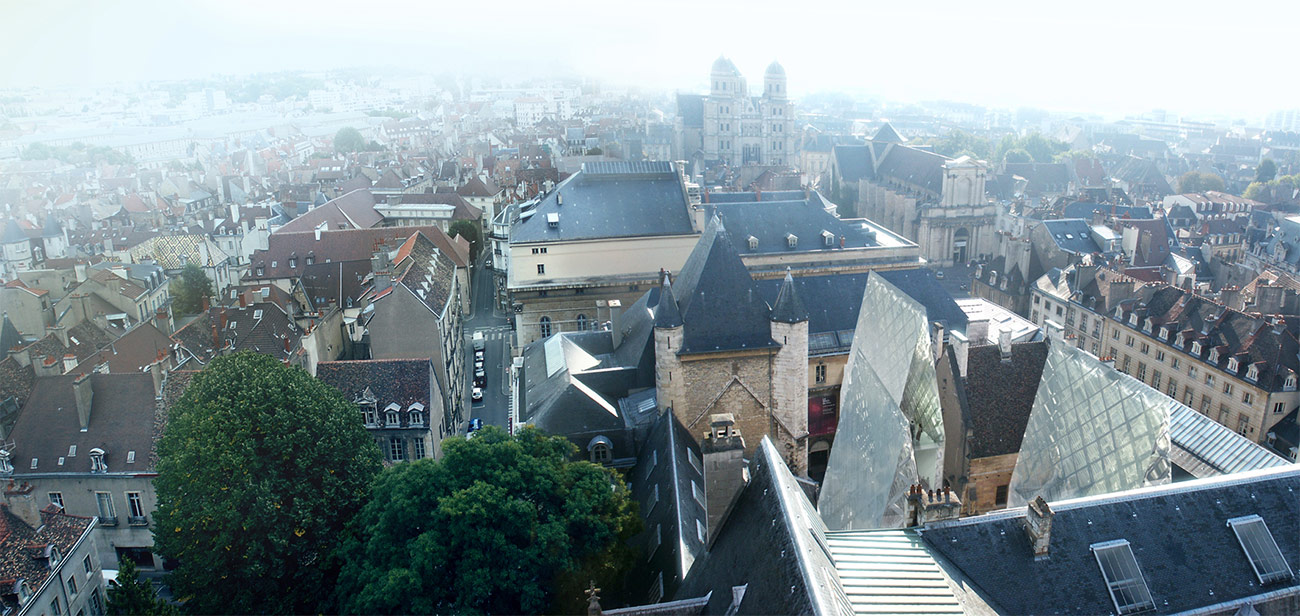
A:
[1179,536]
[608,200]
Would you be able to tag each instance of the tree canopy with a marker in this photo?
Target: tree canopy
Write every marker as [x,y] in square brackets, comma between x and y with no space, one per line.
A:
[469,230]
[349,139]
[499,524]
[261,467]
[129,595]
[76,154]
[1278,190]
[1030,148]
[1197,182]
[1018,155]
[189,289]
[1266,171]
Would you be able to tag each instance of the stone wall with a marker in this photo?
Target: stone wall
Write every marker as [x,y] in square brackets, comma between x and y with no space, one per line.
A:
[986,474]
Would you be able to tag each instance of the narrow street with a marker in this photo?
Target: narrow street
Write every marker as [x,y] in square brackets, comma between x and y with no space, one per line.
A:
[494,408]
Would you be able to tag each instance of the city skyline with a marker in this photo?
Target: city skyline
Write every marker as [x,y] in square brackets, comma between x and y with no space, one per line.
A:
[1010,56]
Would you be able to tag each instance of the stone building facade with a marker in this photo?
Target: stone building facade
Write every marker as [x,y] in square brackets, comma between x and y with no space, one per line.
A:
[740,129]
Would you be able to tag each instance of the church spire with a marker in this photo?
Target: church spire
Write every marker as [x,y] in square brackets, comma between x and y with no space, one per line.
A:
[788,308]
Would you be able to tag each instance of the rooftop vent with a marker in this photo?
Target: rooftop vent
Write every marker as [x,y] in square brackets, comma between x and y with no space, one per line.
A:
[553,220]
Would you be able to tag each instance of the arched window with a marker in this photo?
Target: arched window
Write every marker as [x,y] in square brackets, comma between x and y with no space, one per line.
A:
[601,450]
[582,322]
[545,325]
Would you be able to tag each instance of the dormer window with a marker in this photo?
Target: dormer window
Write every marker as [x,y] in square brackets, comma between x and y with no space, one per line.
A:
[97,464]
[1252,374]
[828,238]
[1214,355]
[753,243]
[370,414]
[1004,284]
[6,467]
[261,270]
[1133,319]
[1147,327]
[416,417]
[1232,365]
[1196,348]
[53,556]
[993,279]
[391,417]
[1164,333]
[1290,383]
[1181,340]
[791,240]
[311,259]
[1119,313]
[293,261]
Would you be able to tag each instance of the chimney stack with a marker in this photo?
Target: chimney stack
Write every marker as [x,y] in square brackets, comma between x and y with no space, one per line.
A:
[725,469]
[925,506]
[158,370]
[82,392]
[1038,525]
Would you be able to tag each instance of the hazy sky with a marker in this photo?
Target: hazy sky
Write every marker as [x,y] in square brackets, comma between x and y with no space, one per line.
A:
[1111,57]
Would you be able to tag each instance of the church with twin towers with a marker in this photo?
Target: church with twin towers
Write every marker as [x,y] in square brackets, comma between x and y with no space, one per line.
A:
[740,129]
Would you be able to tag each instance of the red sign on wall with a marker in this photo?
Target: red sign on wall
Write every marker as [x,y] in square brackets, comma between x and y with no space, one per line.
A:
[823,414]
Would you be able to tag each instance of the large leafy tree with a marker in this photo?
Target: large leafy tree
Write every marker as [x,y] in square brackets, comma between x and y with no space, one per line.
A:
[500,524]
[1197,182]
[190,288]
[469,230]
[129,595]
[1266,171]
[349,139]
[261,469]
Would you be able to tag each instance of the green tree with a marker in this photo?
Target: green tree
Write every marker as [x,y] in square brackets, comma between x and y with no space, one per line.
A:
[469,230]
[499,524]
[1197,182]
[1042,149]
[129,595]
[349,139]
[37,151]
[1266,171]
[1018,155]
[189,290]
[1257,191]
[261,468]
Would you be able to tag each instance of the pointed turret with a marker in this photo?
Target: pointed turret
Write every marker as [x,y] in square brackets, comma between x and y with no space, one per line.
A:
[9,336]
[789,308]
[667,316]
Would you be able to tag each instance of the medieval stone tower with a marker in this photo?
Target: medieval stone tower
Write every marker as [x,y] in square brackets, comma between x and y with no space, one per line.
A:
[790,372]
[669,378]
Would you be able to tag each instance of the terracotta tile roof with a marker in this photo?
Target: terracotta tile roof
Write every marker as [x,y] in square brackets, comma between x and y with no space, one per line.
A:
[22,548]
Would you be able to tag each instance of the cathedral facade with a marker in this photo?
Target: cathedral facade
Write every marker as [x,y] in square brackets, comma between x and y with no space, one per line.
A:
[740,129]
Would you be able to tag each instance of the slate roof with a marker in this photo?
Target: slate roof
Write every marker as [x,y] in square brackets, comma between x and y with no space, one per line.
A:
[122,420]
[1178,533]
[788,308]
[718,300]
[354,210]
[771,517]
[401,381]
[1042,177]
[1000,395]
[608,200]
[429,274]
[22,548]
[1085,210]
[132,352]
[664,484]
[913,167]
[1072,235]
[853,162]
[834,300]
[13,233]
[887,134]
[667,315]
[779,215]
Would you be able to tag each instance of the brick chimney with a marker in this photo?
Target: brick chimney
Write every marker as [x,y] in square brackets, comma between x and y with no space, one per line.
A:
[21,501]
[162,321]
[83,393]
[1038,525]
[47,365]
[725,469]
[926,506]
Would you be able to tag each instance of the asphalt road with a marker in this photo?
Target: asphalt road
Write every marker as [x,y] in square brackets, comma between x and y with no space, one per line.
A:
[496,333]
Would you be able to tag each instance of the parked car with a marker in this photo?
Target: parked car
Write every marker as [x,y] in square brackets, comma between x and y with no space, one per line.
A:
[478,355]
[478,371]
[476,394]
[476,424]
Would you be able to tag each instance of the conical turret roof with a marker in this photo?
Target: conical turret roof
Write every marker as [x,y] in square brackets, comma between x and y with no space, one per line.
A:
[789,308]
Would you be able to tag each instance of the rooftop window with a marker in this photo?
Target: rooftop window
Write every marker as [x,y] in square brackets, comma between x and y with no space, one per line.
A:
[1128,589]
[1265,558]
